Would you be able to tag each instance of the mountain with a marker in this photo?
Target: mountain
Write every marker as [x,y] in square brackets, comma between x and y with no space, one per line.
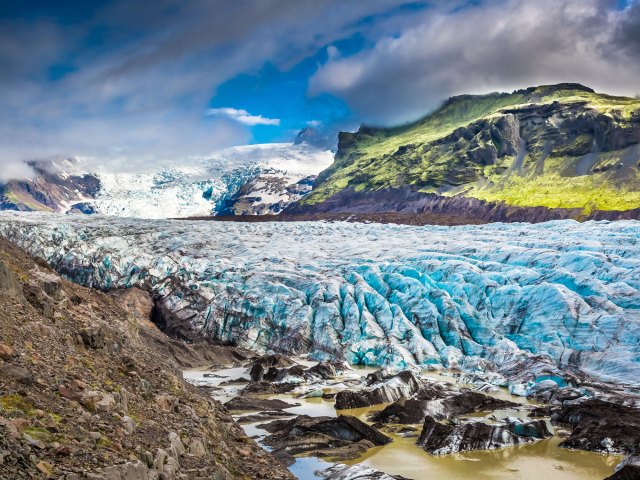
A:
[317,137]
[90,388]
[55,187]
[240,180]
[548,152]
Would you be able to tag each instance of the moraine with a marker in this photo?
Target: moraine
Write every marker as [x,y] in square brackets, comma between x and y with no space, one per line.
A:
[402,457]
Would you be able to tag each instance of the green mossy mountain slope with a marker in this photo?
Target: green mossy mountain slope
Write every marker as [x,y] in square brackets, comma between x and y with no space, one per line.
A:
[557,147]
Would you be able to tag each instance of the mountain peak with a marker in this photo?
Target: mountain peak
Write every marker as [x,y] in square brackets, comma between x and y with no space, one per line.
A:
[540,90]
[557,87]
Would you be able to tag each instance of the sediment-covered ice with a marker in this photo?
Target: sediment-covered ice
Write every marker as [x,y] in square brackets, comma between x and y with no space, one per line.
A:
[373,294]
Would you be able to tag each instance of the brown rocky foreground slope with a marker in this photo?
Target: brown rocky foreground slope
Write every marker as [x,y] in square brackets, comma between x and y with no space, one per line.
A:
[89,388]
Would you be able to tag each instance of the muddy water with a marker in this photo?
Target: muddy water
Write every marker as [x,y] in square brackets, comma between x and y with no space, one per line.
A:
[536,461]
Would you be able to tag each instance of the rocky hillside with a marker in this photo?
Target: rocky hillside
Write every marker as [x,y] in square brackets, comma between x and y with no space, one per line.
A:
[549,152]
[52,189]
[91,390]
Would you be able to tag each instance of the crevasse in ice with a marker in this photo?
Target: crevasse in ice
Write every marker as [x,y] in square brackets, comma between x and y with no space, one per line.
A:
[369,293]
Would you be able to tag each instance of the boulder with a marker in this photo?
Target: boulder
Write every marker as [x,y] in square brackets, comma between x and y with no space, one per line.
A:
[18,373]
[135,301]
[593,421]
[293,374]
[262,365]
[196,448]
[443,438]
[71,393]
[129,425]
[40,300]
[402,385]
[344,437]
[354,472]
[414,410]
[93,337]
[167,403]
[51,284]
[106,403]
[176,447]
[324,370]
[6,352]
[128,471]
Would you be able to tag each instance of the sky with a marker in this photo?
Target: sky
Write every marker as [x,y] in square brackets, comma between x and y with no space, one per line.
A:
[132,85]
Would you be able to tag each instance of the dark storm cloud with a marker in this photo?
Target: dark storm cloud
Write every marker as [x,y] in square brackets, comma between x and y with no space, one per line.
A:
[493,45]
[627,35]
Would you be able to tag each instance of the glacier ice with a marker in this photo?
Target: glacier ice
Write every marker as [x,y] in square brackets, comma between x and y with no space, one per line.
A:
[373,294]
[204,185]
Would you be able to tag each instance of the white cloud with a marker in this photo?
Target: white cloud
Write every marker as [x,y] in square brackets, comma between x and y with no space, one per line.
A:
[242,116]
[14,170]
[135,99]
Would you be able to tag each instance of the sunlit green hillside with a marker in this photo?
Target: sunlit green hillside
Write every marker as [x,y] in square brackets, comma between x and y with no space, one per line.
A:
[559,146]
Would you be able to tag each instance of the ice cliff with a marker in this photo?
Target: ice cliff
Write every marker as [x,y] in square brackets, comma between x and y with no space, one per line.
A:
[373,294]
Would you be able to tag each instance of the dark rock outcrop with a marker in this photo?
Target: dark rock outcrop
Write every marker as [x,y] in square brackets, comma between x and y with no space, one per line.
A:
[414,410]
[324,370]
[441,439]
[340,438]
[600,426]
[390,389]
[268,365]
[410,201]
[268,388]
[255,404]
[356,472]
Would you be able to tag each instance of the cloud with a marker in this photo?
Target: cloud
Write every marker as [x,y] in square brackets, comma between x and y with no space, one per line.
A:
[125,83]
[242,116]
[14,170]
[488,46]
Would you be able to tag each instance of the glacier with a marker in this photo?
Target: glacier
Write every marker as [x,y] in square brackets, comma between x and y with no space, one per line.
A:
[270,177]
[373,294]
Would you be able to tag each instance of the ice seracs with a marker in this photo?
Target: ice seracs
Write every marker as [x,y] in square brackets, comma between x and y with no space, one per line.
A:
[507,303]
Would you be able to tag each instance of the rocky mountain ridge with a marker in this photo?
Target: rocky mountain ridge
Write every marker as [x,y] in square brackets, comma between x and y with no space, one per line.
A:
[55,187]
[549,152]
